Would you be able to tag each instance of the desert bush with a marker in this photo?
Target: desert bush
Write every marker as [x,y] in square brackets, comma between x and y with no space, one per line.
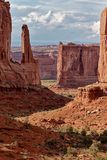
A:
[83,132]
[66,129]
[94,135]
[87,141]
[103,137]
[101,158]
[51,143]
[62,135]
[70,130]
[72,151]
[94,148]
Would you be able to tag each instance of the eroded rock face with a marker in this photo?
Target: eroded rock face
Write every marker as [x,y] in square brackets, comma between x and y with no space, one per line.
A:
[89,93]
[103,47]
[5,31]
[12,74]
[77,65]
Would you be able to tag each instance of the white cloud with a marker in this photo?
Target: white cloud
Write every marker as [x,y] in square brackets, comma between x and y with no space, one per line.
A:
[96,27]
[98,2]
[53,18]
[23,7]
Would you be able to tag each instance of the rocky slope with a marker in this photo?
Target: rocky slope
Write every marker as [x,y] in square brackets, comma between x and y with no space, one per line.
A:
[44,131]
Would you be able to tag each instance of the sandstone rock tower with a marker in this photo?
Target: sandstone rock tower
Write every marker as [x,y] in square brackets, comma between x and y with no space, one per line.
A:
[103,48]
[92,92]
[27,56]
[14,75]
[5,31]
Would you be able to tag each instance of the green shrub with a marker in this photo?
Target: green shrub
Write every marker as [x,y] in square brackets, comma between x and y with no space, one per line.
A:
[94,148]
[70,130]
[72,151]
[83,132]
[101,158]
[103,137]
[51,143]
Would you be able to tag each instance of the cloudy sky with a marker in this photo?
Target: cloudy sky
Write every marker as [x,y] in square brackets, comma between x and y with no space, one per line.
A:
[51,21]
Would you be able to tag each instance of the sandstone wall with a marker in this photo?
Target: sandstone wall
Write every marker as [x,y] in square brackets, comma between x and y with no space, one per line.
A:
[103,47]
[77,65]
[5,31]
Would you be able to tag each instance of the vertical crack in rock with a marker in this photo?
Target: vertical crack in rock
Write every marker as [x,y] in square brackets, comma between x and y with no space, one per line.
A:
[81,68]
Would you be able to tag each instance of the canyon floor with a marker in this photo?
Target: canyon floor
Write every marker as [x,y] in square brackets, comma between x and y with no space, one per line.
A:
[47,123]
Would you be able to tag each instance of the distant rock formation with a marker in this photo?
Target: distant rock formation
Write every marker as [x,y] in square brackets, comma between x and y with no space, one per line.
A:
[103,47]
[14,75]
[48,66]
[27,56]
[92,92]
[47,58]
[77,65]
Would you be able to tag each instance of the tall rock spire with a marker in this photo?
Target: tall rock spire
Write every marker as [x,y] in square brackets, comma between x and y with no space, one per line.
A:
[27,56]
[103,47]
[5,31]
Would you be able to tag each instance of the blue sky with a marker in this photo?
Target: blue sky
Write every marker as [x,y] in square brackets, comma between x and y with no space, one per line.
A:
[52,21]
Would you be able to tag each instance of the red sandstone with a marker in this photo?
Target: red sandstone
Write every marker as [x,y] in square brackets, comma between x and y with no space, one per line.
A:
[12,74]
[103,47]
[77,65]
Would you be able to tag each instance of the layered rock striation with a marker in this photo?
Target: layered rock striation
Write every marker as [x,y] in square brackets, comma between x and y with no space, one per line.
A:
[77,65]
[13,74]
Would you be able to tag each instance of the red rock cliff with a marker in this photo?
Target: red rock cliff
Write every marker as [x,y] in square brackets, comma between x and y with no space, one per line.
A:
[5,31]
[103,47]
[13,74]
[77,65]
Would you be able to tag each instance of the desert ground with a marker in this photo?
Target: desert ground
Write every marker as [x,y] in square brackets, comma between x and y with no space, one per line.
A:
[44,124]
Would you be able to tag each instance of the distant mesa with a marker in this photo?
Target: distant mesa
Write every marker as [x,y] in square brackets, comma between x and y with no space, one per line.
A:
[77,65]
